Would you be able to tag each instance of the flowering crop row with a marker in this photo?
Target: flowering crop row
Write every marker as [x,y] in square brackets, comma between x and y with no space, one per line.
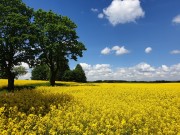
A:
[92,109]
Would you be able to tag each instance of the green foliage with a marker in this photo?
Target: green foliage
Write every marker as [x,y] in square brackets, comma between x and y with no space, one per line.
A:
[76,75]
[79,74]
[57,40]
[17,34]
[69,75]
[34,38]
[63,67]
[19,71]
[17,37]
[40,72]
[3,75]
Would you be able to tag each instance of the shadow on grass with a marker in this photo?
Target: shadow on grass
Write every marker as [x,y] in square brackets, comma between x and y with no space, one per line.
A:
[32,86]
[33,102]
[28,100]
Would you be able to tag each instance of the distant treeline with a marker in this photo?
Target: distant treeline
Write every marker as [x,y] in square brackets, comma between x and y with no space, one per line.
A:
[125,81]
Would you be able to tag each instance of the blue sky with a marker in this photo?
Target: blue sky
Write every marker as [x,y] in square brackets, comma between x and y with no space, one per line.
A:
[129,39]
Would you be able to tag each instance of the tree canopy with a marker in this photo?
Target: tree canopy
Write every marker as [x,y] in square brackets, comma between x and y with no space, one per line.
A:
[35,38]
[58,40]
[17,36]
[77,75]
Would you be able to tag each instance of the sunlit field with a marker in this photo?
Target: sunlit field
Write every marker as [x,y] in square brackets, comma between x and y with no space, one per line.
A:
[91,108]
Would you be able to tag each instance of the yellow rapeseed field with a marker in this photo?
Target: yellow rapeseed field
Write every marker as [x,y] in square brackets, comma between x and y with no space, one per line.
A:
[90,109]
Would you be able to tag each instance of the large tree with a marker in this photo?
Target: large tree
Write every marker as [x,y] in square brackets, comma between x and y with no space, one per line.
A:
[16,36]
[57,40]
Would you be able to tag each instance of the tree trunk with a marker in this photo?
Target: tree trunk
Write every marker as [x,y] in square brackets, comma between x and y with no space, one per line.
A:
[52,78]
[11,81]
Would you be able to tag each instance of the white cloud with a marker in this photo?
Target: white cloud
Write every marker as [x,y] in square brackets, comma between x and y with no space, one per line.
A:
[117,49]
[165,68]
[106,51]
[176,19]
[120,50]
[100,15]
[97,72]
[26,76]
[94,10]
[25,65]
[175,52]
[139,72]
[148,50]
[123,11]
[86,66]
[144,67]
